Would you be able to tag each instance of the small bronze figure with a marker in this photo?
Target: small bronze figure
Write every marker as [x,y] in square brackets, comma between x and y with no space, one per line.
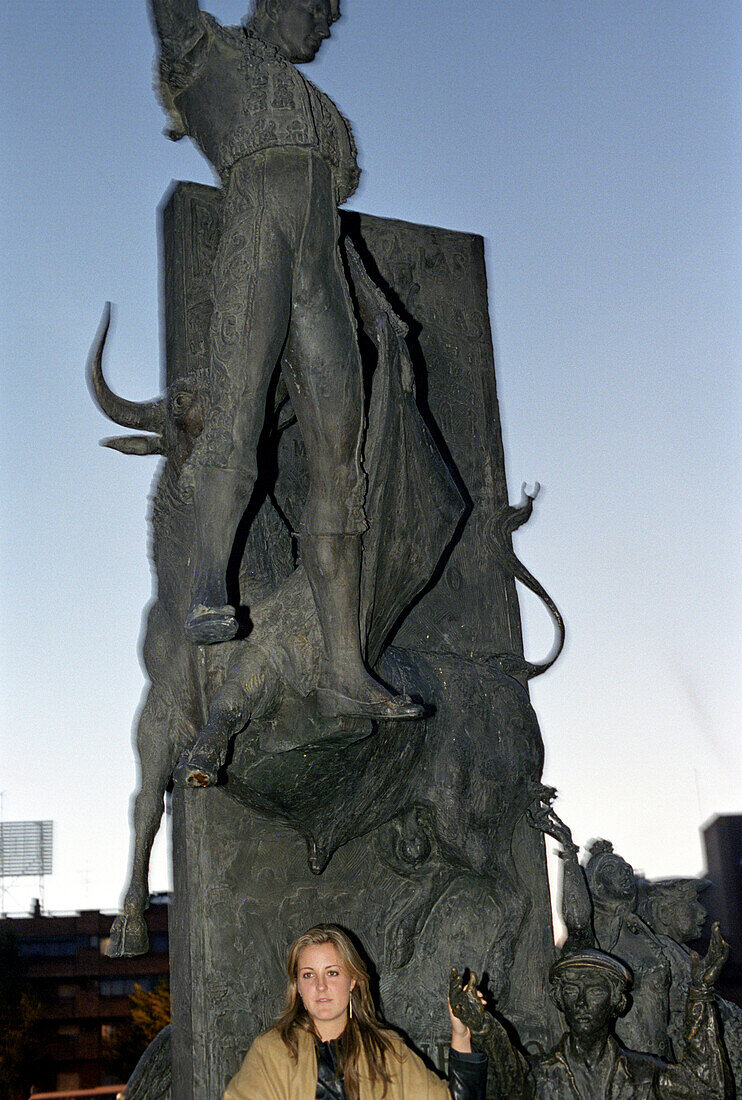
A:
[598,906]
[591,989]
[673,910]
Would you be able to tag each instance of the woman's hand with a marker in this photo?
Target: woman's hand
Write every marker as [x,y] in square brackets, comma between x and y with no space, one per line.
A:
[467,1012]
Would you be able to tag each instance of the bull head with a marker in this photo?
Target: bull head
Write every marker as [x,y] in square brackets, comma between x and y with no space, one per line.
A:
[180,409]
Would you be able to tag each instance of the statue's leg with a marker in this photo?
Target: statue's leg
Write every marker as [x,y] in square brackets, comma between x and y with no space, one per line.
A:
[219,499]
[252,302]
[323,372]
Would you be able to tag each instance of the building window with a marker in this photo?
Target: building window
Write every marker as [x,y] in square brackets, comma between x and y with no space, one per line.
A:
[158,942]
[48,949]
[67,992]
[108,1034]
[124,987]
[67,1081]
[69,1031]
[103,944]
[116,987]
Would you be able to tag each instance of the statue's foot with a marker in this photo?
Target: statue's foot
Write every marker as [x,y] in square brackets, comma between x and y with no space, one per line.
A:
[128,937]
[383,707]
[197,768]
[209,625]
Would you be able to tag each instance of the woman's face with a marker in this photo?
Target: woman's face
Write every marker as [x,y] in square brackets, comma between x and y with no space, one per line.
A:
[324,986]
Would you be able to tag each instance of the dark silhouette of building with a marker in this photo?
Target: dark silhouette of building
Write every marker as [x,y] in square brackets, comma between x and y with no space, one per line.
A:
[722,838]
[83,995]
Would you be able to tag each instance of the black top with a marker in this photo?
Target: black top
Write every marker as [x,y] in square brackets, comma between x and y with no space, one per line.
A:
[329,1081]
[467,1074]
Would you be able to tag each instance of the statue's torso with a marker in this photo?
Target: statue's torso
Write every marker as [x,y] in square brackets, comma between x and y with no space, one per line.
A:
[620,1075]
[645,1026]
[236,95]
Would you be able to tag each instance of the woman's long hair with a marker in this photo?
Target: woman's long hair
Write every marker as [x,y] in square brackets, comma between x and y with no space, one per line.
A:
[362,1031]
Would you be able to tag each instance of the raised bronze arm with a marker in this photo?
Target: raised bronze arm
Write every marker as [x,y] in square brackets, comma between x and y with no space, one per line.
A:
[176,21]
[705,972]
[576,905]
[508,1065]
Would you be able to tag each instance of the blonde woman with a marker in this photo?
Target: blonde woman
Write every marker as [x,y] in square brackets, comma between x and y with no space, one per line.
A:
[328,1045]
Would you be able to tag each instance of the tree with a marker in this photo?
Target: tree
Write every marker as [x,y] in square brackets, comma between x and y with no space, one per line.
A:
[18,1015]
[149,1013]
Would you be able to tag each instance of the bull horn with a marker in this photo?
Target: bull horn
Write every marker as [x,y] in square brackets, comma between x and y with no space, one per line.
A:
[147,416]
[134,444]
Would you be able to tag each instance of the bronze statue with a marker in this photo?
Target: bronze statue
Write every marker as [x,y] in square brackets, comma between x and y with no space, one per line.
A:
[313,773]
[286,157]
[673,910]
[598,905]
[272,299]
[591,989]
[672,907]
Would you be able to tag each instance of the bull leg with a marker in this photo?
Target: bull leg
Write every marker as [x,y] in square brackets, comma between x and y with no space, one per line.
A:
[243,695]
[159,740]
[200,764]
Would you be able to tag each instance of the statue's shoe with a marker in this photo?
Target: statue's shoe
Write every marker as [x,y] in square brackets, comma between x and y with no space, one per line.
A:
[333,704]
[209,625]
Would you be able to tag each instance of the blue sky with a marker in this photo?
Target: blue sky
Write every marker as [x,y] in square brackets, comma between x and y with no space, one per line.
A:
[598,148]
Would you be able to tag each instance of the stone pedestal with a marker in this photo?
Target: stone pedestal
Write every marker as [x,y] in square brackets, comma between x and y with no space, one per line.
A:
[444,872]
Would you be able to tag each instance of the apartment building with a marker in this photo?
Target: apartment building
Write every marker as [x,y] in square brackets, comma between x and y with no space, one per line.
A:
[83,995]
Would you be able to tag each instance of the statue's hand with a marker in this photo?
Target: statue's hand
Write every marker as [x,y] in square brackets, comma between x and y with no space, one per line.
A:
[467,1005]
[704,972]
[542,816]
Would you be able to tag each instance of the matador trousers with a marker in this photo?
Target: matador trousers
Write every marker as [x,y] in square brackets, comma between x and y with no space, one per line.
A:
[280,294]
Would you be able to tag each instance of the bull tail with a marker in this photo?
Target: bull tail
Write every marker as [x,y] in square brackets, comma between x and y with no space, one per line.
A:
[513,517]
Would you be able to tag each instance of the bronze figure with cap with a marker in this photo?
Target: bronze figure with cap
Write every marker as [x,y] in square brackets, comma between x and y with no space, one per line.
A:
[591,989]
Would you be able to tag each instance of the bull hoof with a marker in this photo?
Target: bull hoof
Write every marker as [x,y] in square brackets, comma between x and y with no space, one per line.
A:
[128,937]
[210,625]
[332,704]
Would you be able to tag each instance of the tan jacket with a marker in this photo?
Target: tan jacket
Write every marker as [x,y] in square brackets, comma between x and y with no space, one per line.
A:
[270,1073]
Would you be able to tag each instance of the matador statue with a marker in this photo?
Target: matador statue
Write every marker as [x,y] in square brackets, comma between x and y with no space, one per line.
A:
[286,158]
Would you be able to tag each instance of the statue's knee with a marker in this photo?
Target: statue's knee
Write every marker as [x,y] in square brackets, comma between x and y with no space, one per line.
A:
[336,507]
[229,706]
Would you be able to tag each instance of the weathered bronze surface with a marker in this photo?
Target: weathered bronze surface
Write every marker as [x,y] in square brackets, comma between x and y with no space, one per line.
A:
[280,300]
[673,910]
[598,905]
[421,817]
[437,801]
